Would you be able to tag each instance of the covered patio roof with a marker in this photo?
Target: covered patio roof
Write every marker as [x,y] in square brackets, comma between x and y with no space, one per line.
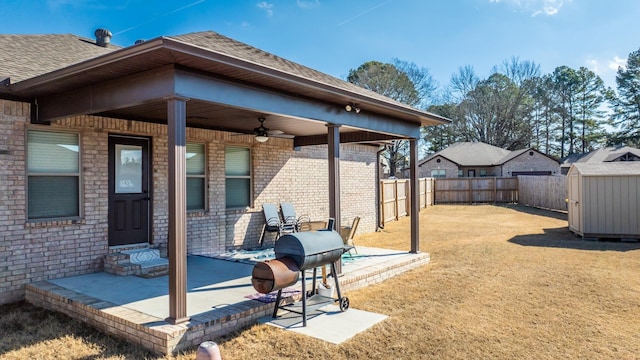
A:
[217,73]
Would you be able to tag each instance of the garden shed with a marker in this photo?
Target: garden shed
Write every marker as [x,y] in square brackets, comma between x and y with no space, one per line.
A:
[604,199]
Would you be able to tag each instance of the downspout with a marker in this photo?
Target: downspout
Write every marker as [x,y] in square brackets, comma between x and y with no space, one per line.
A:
[379,223]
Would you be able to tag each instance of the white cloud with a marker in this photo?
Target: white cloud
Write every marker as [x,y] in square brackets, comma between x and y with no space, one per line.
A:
[535,7]
[266,7]
[616,63]
[307,4]
[594,66]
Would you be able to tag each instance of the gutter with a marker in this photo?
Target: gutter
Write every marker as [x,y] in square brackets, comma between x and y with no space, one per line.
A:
[379,223]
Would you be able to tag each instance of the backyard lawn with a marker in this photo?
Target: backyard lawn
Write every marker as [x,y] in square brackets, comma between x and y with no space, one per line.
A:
[503,283]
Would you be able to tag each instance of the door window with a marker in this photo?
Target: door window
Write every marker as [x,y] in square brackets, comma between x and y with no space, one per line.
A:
[128,169]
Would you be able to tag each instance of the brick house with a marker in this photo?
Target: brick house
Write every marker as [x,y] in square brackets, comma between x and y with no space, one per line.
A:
[477,159]
[159,144]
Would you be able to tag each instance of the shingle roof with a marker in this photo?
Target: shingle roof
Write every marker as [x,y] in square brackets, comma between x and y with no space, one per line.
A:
[606,168]
[472,154]
[219,43]
[600,155]
[477,154]
[26,56]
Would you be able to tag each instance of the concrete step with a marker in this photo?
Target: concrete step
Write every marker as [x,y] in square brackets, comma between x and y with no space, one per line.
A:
[139,262]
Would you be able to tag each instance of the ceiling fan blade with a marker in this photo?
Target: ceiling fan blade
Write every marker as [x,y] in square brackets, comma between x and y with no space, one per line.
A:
[283,136]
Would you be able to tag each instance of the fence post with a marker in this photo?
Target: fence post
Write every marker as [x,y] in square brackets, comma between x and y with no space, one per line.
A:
[395,184]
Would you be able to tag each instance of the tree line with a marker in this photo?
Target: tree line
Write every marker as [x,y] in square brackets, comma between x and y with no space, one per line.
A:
[565,112]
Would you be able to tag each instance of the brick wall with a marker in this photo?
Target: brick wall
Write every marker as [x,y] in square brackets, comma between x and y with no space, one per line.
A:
[451,169]
[527,162]
[47,250]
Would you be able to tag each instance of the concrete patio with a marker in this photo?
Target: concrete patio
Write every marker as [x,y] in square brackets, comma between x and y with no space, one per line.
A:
[135,308]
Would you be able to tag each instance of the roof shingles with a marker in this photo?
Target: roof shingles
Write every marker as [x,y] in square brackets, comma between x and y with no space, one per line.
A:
[27,56]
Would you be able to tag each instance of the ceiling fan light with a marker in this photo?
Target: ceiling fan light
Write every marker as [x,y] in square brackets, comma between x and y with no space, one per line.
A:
[262,138]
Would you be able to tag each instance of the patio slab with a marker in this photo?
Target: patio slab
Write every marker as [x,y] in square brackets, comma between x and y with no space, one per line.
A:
[136,308]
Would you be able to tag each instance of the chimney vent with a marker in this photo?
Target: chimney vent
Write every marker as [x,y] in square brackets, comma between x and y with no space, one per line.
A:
[103,37]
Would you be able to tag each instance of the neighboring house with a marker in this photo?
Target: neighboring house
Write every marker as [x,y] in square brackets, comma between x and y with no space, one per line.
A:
[607,154]
[477,159]
[159,144]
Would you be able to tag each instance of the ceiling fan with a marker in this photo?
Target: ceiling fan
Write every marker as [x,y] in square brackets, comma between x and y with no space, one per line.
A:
[262,133]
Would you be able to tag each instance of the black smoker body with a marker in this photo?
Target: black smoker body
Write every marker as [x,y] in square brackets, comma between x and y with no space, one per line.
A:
[308,250]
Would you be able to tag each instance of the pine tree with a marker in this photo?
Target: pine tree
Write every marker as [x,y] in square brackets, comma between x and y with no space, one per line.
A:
[626,106]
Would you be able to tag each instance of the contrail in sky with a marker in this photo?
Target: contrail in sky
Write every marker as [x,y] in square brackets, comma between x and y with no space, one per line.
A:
[161,16]
[364,12]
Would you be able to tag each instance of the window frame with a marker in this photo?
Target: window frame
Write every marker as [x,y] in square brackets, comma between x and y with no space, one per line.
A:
[204,177]
[441,173]
[249,177]
[78,175]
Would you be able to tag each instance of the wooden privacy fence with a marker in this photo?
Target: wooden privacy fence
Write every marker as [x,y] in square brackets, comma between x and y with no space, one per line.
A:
[548,192]
[394,197]
[476,190]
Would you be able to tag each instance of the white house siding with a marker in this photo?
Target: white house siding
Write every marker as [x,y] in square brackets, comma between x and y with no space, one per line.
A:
[526,162]
[48,250]
[451,169]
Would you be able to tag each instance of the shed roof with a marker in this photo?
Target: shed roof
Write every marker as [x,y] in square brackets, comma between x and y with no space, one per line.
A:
[606,168]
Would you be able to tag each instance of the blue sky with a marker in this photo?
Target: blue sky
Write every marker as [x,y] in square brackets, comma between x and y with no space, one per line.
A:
[334,36]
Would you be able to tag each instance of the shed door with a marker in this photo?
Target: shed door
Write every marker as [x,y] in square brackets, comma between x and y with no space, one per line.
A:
[575,208]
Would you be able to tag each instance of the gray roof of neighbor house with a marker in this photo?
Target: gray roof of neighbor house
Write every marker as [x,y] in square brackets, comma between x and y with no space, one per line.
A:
[42,64]
[606,154]
[606,168]
[477,154]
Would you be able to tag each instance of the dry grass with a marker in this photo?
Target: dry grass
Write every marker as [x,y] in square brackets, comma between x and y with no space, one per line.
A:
[504,282]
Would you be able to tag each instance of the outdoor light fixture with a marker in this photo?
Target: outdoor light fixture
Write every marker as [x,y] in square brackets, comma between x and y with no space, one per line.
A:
[261,131]
[351,106]
[262,138]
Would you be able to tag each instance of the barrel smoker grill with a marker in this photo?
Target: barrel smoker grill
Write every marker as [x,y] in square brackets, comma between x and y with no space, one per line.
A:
[296,253]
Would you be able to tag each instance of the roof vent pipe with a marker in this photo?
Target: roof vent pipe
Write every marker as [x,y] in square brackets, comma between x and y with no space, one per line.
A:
[103,37]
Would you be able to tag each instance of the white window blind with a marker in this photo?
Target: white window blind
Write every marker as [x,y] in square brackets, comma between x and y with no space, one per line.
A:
[196,177]
[53,171]
[237,176]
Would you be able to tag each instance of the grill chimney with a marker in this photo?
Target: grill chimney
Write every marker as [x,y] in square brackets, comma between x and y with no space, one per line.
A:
[103,37]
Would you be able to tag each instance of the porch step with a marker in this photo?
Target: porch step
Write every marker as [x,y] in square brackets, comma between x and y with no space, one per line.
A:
[145,262]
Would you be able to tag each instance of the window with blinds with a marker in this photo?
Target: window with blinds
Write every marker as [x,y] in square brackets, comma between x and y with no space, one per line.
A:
[196,177]
[53,175]
[438,173]
[237,166]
